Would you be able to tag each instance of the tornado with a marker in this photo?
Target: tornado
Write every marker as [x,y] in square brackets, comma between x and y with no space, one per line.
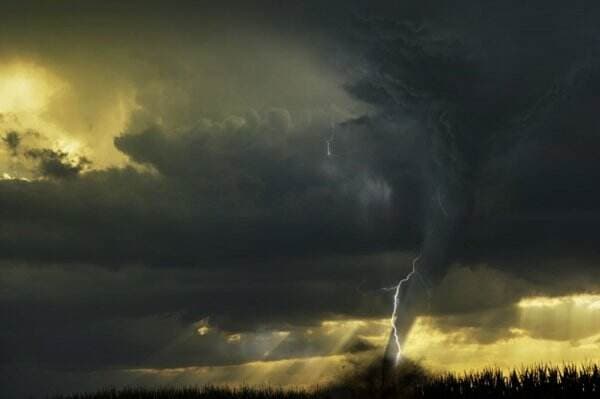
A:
[461,142]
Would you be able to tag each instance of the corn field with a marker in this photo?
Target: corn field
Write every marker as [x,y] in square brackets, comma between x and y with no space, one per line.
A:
[543,381]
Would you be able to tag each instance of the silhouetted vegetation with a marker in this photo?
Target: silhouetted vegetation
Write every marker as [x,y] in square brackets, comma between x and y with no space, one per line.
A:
[568,381]
[408,381]
[207,392]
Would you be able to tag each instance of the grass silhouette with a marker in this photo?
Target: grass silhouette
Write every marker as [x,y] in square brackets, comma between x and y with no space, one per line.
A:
[408,381]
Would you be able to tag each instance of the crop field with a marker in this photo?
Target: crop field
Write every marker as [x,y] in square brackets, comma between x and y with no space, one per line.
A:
[411,381]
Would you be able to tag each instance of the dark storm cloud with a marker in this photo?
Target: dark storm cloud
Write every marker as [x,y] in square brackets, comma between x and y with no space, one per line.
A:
[481,143]
[220,192]
[481,110]
[56,163]
[480,106]
[87,317]
[28,150]
[471,118]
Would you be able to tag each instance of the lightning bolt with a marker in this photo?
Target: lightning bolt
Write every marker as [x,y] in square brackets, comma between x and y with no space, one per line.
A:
[441,204]
[395,311]
[397,288]
[331,137]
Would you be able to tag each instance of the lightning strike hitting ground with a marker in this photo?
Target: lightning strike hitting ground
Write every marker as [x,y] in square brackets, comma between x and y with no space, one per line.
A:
[395,311]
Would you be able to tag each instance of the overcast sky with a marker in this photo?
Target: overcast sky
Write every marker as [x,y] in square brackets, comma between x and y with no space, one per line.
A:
[219,191]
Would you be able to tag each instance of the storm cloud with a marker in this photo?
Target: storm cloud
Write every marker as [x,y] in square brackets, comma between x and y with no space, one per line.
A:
[258,170]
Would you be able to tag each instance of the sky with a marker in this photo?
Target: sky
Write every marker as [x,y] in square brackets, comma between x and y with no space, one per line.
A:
[224,192]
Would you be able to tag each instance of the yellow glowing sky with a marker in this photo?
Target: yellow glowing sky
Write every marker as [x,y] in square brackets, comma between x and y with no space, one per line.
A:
[80,106]
[559,329]
[25,89]
[577,316]
[54,114]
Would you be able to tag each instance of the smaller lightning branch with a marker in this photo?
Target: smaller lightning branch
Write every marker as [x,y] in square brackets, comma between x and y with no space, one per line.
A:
[330,147]
[329,141]
[395,311]
[441,203]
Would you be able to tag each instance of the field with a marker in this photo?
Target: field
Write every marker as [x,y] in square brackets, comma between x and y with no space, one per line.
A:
[410,381]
